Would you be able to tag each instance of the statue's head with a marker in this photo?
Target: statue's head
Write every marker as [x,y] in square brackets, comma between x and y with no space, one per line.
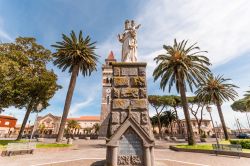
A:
[132,23]
[126,24]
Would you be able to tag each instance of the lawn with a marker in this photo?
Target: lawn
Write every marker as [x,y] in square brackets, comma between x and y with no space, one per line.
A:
[53,145]
[3,144]
[206,146]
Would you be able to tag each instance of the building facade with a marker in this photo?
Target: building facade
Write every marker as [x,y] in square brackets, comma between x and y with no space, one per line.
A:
[107,73]
[180,129]
[51,123]
[7,125]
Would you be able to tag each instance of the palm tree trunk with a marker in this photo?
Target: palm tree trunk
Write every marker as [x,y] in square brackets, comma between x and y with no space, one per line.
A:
[222,119]
[171,128]
[26,117]
[190,133]
[67,103]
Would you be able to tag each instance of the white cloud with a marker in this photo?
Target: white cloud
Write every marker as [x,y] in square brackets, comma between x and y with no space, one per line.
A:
[220,27]
[76,107]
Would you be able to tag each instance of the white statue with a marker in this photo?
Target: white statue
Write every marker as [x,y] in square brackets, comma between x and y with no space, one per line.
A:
[129,41]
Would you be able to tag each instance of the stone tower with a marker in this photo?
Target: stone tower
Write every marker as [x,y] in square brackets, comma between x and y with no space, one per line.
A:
[107,74]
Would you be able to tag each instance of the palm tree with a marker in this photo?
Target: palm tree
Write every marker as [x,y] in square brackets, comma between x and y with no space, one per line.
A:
[182,66]
[215,90]
[96,127]
[154,122]
[77,55]
[42,129]
[71,126]
[168,117]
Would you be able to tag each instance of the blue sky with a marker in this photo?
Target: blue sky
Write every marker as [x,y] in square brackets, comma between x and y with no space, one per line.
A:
[221,28]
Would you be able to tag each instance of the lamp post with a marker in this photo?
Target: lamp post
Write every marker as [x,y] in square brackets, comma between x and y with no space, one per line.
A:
[38,108]
[209,110]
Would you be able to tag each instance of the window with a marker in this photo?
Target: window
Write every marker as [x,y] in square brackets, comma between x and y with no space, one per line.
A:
[6,123]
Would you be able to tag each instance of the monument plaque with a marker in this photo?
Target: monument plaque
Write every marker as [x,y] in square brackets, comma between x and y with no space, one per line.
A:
[130,151]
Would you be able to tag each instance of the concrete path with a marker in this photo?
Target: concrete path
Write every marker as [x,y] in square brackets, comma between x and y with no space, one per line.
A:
[90,151]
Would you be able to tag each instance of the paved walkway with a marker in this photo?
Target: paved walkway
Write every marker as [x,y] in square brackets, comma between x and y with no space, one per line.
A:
[90,151]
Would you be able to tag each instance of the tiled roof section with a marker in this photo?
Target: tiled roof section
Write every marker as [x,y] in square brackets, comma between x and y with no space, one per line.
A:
[86,118]
[7,117]
[111,56]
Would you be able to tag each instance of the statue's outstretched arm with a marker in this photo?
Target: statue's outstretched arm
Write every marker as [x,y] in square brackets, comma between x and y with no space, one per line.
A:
[138,26]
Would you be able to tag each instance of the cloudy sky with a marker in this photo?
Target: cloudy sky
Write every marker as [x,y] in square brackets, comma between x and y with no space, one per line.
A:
[220,27]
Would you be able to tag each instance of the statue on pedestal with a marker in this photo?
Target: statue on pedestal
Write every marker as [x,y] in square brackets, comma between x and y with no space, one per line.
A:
[129,41]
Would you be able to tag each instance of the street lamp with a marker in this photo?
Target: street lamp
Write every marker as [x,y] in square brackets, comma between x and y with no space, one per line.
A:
[209,110]
[38,109]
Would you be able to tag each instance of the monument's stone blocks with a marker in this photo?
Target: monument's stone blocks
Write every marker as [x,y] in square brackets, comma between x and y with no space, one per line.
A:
[142,71]
[129,71]
[143,93]
[129,92]
[114,128]
[146,128]
[136,116]
[138,81]
[121,104]
[116,71]
[121,81]
[131,142]
[138,103]
[115,117]
[124,115]
[116,93]
[144,118]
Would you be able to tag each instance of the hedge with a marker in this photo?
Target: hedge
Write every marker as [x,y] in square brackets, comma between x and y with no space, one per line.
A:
[245,143]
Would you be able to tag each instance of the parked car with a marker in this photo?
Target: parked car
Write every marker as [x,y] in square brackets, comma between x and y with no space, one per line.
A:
[243,135]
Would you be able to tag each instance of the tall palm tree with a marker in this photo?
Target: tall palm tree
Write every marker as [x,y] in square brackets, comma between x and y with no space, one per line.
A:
[215,90]
[183,66]
[76,55]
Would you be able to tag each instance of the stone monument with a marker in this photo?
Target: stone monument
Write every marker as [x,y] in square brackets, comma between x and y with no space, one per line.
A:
[130,140]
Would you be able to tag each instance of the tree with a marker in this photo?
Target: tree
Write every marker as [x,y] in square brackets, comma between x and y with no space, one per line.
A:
[243,105]
[76,55]
[168,117]
[154,121]
[174,102]
[215,90]
[158,104]
[26,81]
[183,66]
[196,108]
[96,127]
[72,125]
[42,129]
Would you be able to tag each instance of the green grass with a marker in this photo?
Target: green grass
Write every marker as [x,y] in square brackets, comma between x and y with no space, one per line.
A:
[206,146]
[3,144]
[53,145]
[203,146]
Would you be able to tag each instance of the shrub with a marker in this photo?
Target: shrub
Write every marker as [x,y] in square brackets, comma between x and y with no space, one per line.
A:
[245,143]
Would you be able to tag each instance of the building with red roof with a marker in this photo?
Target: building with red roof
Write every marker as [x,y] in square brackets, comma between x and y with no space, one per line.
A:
[7,125]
